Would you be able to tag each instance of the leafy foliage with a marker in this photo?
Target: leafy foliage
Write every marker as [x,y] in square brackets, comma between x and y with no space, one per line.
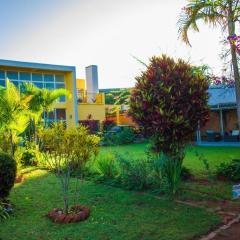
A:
[7,174]
[108,124]
[229,171]
[124,136]
[168,102]
[67,151]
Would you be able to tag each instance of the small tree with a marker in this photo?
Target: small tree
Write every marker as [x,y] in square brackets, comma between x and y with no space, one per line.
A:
[66,150]
[169,101]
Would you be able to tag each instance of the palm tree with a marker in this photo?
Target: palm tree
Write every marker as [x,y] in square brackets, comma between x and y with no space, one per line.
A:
[14,114]
[43,100]
[224,13]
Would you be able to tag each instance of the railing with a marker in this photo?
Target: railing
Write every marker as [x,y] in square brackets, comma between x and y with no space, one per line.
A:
[90,97]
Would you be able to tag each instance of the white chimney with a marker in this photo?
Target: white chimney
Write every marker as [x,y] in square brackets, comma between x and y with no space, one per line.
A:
[92,82]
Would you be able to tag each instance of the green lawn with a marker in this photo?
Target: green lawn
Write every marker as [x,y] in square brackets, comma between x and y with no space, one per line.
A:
[115,214]
[214,155]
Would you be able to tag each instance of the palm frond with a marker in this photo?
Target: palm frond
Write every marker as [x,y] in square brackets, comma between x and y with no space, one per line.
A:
[207,11]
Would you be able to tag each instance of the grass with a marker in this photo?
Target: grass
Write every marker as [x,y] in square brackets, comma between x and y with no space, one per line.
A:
[214,155]
[115,214]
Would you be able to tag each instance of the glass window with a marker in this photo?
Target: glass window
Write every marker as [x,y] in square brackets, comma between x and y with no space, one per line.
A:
[61,114]
[2,74]
[60,85]
[24,76]
[38,84]
[48,78]
[15,83]
[36,77]
[2,83]
[62,99]
[49,85]
[59,78]
[51,115]
[12,75]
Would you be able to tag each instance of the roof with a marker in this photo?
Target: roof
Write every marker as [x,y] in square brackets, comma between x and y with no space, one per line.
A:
[31,65]
[222,96]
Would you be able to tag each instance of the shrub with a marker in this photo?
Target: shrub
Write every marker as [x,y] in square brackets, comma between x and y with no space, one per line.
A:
[133,172]
[31,155]
[229,171]
[92,125]
[106,166]
[67,151]
[3,211]
[124,136]
[108,124]
[168,102]
[7,174]
[186,173]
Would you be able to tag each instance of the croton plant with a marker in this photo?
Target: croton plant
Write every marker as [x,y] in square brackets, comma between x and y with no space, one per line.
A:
[169,100]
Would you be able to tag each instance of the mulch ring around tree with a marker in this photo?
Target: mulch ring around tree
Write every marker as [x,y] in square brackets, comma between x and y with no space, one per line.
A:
[77,213]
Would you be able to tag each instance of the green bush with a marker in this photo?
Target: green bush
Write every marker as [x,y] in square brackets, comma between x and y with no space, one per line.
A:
[186,173]
[3,211]
[106,166]
[125,136]
[133,172]
[229,171]
[8,170]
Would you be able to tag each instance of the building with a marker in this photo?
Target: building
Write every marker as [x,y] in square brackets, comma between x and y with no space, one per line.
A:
[223,115]
[86,101]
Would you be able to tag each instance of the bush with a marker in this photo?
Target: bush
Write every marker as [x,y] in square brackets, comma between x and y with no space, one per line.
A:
[186,173]
[106,166]
[168,102]
[8,170]
[229,171]
[108,124]
[133,172]
[3,211]
[124,136]
[31,155]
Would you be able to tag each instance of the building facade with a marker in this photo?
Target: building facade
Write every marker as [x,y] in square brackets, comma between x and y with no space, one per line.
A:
[80,106]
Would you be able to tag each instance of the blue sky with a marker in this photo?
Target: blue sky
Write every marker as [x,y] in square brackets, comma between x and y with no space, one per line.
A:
[107,33]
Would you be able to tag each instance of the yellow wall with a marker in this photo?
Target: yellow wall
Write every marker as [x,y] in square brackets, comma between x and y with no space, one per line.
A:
[96,110]
[70,109]
[81,84]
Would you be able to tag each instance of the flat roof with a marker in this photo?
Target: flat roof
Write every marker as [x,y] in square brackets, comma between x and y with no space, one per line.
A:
[32,65]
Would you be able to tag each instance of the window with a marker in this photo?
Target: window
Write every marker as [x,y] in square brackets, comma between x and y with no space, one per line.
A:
[24,76]
[2,74]
[12,75]
[2,83]
[15,83]
[36,77]
[59,78]
[48,78]
[38,84]
[49,85]
[61,114]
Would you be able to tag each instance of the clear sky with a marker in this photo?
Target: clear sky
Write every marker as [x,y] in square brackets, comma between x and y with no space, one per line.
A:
[107,33]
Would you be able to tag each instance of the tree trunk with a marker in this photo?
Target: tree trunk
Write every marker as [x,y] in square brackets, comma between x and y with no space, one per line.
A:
[231,31]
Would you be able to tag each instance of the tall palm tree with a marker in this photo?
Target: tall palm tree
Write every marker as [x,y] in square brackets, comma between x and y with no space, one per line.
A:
[14,114]
[224,13]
